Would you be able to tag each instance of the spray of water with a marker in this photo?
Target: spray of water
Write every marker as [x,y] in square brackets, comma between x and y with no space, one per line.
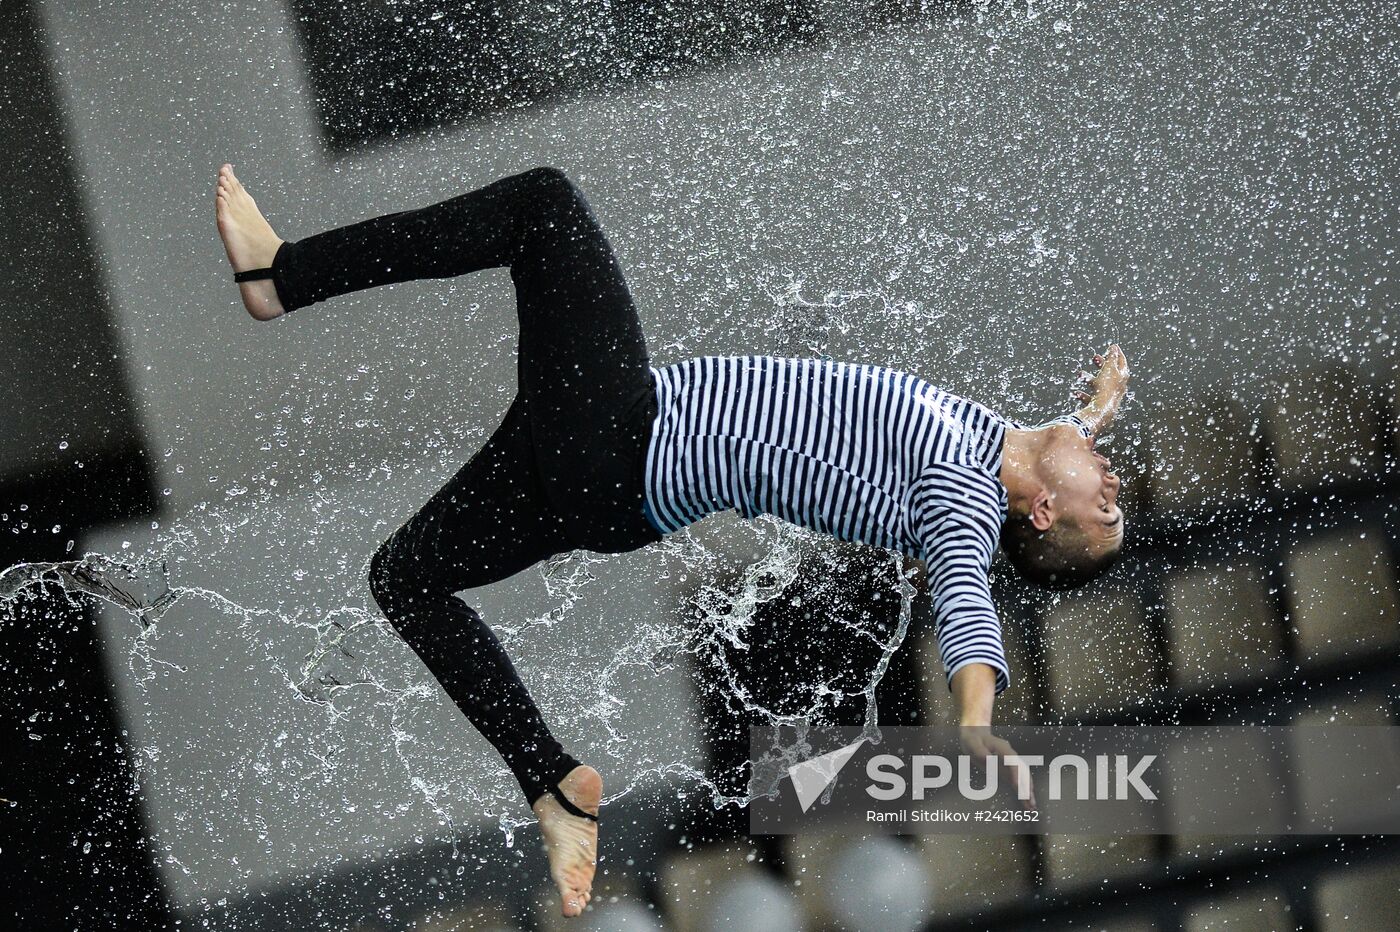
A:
[331,659]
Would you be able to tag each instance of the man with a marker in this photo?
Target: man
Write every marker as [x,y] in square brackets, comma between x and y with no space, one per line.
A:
[599,451]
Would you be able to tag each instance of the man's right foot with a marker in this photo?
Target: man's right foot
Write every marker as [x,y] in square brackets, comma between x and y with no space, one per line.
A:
[249,242]
[572,842]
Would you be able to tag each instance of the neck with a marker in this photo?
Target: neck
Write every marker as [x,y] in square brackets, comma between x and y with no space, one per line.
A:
[1021,452]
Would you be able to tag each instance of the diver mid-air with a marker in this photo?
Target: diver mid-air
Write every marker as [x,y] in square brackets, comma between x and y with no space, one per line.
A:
[600,451]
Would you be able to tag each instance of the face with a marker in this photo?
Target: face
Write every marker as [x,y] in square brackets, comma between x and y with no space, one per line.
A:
[1083,488]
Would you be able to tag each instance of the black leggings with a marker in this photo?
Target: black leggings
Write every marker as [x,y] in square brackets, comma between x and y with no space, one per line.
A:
[562,472]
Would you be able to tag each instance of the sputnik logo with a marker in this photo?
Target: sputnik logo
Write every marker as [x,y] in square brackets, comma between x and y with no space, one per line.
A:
[811,777]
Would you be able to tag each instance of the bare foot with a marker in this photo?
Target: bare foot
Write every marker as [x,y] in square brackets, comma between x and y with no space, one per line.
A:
[249,242]
[572,842]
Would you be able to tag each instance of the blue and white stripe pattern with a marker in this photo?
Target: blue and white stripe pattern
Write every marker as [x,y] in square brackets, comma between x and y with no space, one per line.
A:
[863,453]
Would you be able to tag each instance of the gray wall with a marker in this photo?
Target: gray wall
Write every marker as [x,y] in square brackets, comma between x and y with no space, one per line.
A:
[981,201]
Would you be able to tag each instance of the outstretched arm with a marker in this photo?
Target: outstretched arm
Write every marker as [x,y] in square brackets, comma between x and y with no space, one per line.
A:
[974,691]
[957,555]
[1104,392]
[974,686]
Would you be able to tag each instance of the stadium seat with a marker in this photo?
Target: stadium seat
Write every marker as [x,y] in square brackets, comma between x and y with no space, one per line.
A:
[690,879]
[1365,709]
[751,899]
[971,872]
[1221,626]
[1203,454]
[808,859]
[1194,849]
[1089,860]
[1359,897]
[1342,595]
[1099,654]
[607,914]
[617,903]
[1210,800]
[1338,779]
[860,882]
[1322,426]
[1248,910]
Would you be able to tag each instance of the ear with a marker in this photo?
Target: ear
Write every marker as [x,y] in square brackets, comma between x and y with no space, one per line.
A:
[1042,512]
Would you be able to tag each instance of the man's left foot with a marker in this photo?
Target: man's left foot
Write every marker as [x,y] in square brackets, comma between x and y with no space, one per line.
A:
[572,842]
[249,241]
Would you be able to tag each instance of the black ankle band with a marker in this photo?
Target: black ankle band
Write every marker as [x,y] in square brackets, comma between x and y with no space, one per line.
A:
[569,807]
[252,275]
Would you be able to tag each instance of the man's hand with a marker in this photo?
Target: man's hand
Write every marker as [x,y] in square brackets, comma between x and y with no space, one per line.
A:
[979,742]
[1104,392]
[974,691]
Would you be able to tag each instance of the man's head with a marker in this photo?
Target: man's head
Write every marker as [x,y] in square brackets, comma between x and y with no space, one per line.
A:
[1064,526]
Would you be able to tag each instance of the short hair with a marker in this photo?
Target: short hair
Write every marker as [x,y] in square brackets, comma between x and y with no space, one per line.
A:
[1058,558]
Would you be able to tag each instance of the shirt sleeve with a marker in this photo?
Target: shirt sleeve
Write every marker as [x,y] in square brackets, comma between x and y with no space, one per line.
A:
[1073,419]
[958,528]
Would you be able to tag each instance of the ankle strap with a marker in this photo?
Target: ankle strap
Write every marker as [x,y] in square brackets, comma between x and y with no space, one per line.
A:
[252,275]
[569,807]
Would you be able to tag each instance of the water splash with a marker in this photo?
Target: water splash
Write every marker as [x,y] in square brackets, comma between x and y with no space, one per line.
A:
[342,664]
[116,583]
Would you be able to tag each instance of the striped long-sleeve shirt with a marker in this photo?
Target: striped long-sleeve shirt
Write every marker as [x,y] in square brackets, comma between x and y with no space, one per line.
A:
[863,453]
